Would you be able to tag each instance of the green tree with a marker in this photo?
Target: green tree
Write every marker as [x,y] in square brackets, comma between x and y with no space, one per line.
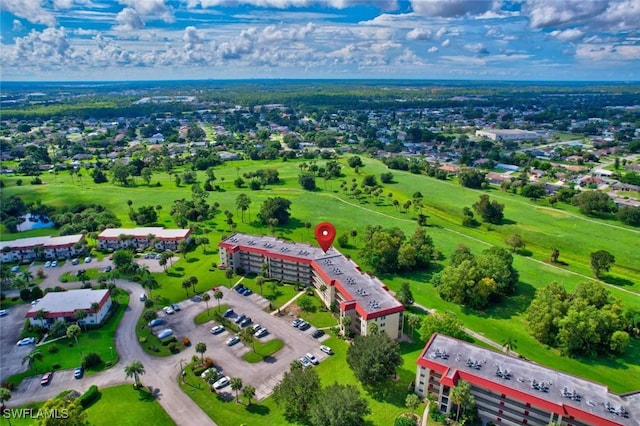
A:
[509,344]
[339,405]
[307,180]
[201,348]
[296,392]
[547,308]
[305,304]
[80,315]
[260,282]
[444,323]
[218,295]
[146,174]
[593,203]
[471,178]
[206,299]
[490,211]
[412,401]
[381,248]
[515,241]
[5,395]
[413,322]
[275,208]
[629,215]
[123,260]
[149,315]
[236,386]
[186,284]
[135,369]
[75,414]
[619,341]
[404,295]
[461,396]
[374,359]
[32,358]
[121,173]
[73,331]
[601,261]
[248,392]
[246,335]
[355,161]
[243,202]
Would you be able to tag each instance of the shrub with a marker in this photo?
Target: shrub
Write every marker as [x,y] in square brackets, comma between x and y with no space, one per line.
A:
[90,360]
[174,349]
[186,341]
[25,294]
[198,371]
[89,397]
[56,366]
[154,348]
[148,303]
[169,341]
[52,349]
[405,421]
[142,340]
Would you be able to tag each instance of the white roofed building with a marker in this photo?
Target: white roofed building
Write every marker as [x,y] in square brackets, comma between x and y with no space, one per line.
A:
[142,238]
[507,135]
[63,306]
[30,249]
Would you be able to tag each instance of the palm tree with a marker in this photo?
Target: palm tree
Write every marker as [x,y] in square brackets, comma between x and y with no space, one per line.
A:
[246,335]
[32,357]
[229,274]
[194,282]
[260,282]
[149,282]
[186,284]
[218,296]
[346,323]
[248,392]
[95,307]
[27,276]
[135,370]
[5,395]
[79,315]
[461,396]
[373,328]
[41,314]
[206,299]
[322,289]
[236,385]
[73,331]
[509,344]
[201,348]
[242,203]
[413,321]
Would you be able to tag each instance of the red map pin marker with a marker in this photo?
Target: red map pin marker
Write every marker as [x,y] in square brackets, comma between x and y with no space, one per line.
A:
[325,234]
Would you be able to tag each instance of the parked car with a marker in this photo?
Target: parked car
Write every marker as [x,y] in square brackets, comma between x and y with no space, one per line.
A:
[228,313]
[167,332]
[256,327]
[326,349]
[247,292]
[143,297]
[75,261]
[245,322]
[296,322]
[78,373]
[47,264]
[318,333]
[16,268]
[175,307]
[4,312]
[46,378]
[35,302]
[232,340]
[239,288]
[304,361]
[87,259]
[26,341]
[168,310]
[107,268]
[204,373]
[304,326]
[54,264]
[240,318]
[155,322]
[312,358]
[217,329]
[222,382]
[261,333]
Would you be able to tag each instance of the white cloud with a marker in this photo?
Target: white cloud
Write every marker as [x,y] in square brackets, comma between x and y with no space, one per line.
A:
[283,4]
[31,10]
[151,9]
[552,13]
[419,34]
[446,43]
[48,48]
[571,35]
[478,48]
[17,26]
[128,20]
[608,53]
[432,49]
[191,36]
[451,8]
[442,31]
[84,32]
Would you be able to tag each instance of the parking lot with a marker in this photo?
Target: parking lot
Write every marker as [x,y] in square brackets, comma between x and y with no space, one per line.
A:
[10,354]
[263,375]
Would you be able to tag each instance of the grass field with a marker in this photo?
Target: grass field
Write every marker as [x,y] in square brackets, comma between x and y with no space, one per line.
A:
[136,407]
[541,226]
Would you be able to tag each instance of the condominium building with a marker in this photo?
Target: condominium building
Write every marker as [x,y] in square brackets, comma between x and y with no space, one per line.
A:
[63,306]
[507,135]
[511,391]
[142,238]
[30,249]
[339,281]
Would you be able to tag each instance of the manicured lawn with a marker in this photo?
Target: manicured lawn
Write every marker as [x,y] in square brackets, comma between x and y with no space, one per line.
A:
[210,314]
[69,355]
[277,294]
[262,350]
[137,407]
[318,315]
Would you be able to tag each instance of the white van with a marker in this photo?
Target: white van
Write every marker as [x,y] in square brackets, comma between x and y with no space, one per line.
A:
[143,297]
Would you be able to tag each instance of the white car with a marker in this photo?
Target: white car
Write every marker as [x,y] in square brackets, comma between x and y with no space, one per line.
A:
[3,312]
[221,382]
[168,310]
[217,329]
[54,264]
[26,341]
[87,259]
[326,349]
[261,333]
[165,333]
[232,340]
[304,361]
[312,358]
[47,264]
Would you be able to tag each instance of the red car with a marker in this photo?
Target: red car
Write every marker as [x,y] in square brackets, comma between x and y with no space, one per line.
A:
[46,379]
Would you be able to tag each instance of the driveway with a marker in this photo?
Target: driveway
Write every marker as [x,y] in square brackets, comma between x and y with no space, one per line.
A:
[10,354]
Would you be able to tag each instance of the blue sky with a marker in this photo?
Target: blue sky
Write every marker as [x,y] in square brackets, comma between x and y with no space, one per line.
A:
[43,40]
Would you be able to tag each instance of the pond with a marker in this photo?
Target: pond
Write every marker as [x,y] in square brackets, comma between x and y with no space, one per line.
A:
[34,222]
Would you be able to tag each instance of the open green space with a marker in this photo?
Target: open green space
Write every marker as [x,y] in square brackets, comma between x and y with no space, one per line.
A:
[68,355]
[541,226]
[137,407]
[317,314]
[275,292]
[261,351]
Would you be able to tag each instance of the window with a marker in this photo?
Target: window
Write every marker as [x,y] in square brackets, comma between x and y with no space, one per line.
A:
[501,402]
[524,421]
[526,412]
